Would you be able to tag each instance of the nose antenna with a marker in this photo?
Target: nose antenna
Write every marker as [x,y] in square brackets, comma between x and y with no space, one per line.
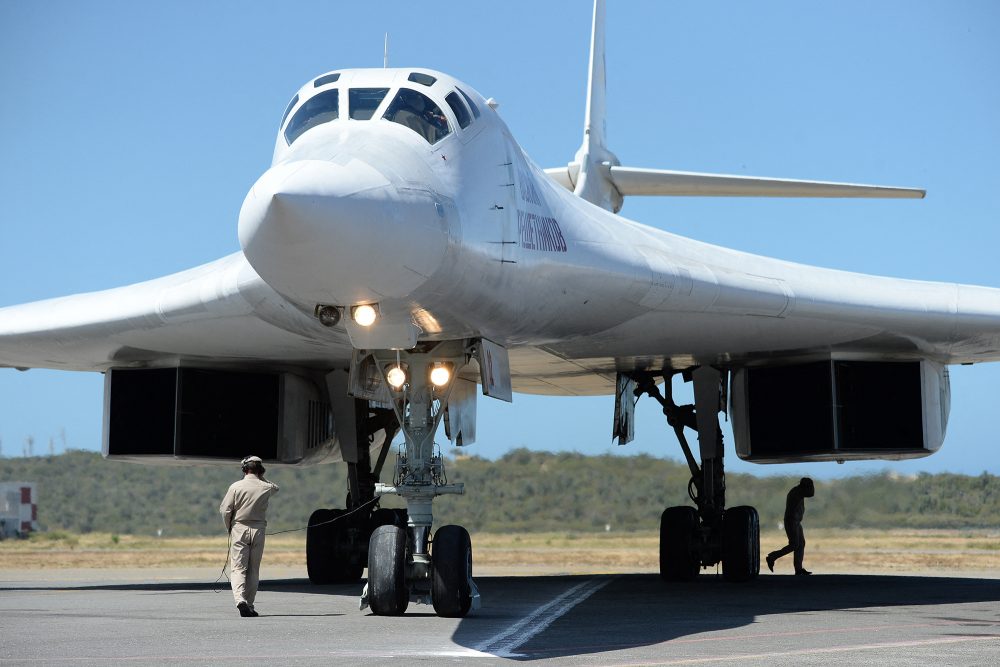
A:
[385,54]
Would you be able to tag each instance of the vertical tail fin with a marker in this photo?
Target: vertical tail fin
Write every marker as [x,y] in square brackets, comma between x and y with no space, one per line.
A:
[594,124]
[591,169]
[596,175]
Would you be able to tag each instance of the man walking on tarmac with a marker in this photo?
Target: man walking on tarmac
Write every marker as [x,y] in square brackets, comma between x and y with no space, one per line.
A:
[244,511]
[795,507]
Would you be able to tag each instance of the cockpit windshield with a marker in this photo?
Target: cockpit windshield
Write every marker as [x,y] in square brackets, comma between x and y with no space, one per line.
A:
[288,110]
[364,101]
[461,113]
[419,113]
[409,107]
[317,110]
[472,105]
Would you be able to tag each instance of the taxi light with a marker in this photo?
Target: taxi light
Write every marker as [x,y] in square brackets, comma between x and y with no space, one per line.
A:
[364,315]
[396,377]
[440,376]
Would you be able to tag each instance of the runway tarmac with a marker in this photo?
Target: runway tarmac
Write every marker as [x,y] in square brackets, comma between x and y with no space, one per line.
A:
[582,620]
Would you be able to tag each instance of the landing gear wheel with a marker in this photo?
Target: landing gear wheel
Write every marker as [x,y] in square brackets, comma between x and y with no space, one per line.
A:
[319,548]
[388,594]
[740,544]
[451,557]
[678,557]
[388,517]
[328,550]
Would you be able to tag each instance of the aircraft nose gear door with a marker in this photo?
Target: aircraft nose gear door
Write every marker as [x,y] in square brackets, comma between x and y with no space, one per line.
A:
[407,565]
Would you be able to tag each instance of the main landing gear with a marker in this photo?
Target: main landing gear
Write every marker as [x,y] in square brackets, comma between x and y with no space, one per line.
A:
[404,563]
[337,539]
[695,537]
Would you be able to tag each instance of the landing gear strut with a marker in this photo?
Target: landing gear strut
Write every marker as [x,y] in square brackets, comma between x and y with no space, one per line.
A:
[337,539]
[405,564]
[694,538]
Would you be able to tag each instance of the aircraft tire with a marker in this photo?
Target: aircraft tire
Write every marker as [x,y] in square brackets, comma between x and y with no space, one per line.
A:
[451,558]
[740,544]
[388,517]
[678,559]
[327,557]
[319,548]
[388,594]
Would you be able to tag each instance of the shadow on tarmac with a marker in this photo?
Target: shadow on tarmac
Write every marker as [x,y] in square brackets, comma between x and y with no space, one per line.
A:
[642,610]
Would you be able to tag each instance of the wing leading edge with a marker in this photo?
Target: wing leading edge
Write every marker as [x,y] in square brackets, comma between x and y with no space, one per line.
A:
[217,313]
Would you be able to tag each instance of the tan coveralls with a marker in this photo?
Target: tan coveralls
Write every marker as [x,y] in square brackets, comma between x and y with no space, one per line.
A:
[244,510]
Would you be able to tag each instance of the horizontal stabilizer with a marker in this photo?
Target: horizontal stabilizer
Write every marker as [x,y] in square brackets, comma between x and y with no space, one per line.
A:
[561,175]
[634,181]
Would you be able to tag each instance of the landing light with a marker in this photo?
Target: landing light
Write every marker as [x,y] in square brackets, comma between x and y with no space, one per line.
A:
[440,375]
[364,315]
[396,377]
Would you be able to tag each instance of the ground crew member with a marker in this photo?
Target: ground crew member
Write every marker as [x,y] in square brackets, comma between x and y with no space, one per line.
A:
[244,511]
[795,507]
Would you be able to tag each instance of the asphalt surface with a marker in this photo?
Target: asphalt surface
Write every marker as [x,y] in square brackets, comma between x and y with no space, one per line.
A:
[580,620]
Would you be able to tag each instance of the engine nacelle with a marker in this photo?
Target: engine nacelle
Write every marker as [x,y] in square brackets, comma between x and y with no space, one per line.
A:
[168,414]
[836,410]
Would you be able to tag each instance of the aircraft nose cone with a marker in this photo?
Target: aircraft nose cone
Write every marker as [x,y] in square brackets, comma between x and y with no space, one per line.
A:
[321,232]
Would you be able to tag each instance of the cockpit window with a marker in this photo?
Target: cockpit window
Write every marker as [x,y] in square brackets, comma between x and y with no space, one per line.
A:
[317,110]
[422,79]
[288,109]
[328,78]
[419,113]
[461,113]
[364,101]
[472,105]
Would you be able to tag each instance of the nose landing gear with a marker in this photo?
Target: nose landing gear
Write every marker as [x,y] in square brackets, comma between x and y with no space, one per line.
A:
[406,565]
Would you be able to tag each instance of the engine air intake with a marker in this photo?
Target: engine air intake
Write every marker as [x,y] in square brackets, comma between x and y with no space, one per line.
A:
[839,410]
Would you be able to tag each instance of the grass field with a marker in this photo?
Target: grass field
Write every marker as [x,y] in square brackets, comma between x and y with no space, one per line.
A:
[827,550]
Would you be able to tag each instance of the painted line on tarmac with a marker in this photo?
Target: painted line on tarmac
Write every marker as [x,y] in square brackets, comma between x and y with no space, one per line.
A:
[504,644]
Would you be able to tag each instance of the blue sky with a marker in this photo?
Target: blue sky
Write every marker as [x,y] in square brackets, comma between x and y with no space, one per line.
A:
[134,130]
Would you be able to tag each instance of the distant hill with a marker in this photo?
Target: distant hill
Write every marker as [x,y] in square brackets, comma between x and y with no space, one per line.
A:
[523,491]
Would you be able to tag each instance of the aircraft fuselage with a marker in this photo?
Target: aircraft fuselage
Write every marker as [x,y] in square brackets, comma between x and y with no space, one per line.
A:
[468,237]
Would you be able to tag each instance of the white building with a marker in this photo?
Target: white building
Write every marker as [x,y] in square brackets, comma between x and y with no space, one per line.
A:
[18,509]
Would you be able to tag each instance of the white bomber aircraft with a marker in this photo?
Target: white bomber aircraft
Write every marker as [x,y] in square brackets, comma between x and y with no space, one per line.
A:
[403,248]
